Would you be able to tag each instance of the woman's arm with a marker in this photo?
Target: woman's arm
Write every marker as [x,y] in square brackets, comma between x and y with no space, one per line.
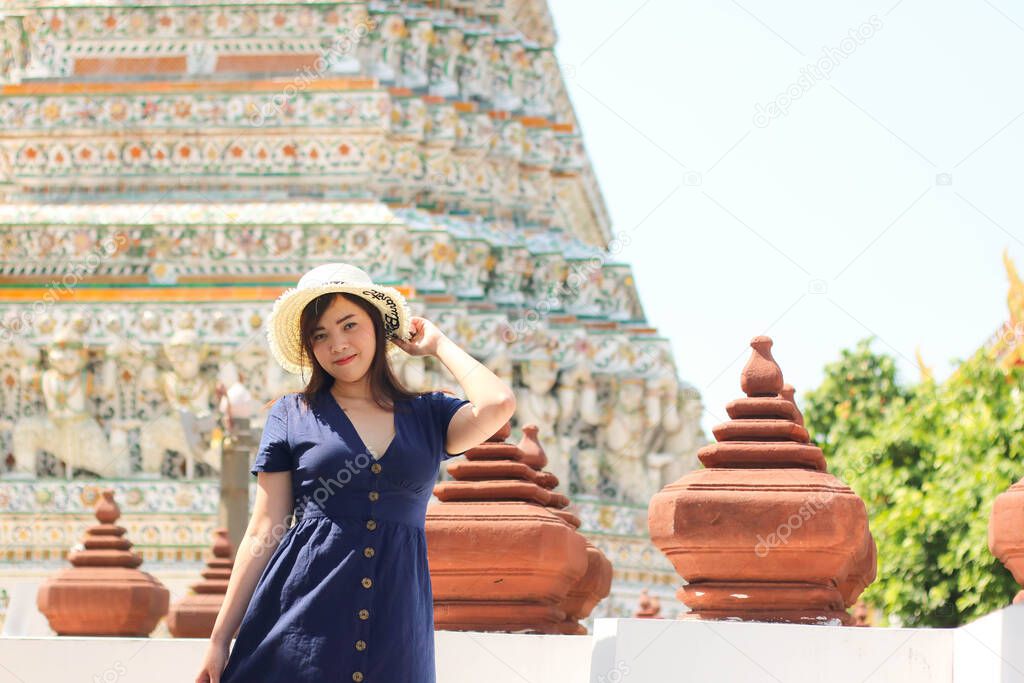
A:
[267,526]
[492,402]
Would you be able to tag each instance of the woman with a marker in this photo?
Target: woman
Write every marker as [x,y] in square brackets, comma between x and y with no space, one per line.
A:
[344,594]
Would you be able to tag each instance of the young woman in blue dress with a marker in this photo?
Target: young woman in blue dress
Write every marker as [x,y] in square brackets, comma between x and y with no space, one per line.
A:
[340,327]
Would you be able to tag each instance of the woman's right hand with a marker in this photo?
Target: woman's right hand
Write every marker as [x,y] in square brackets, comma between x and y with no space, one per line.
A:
[213,663]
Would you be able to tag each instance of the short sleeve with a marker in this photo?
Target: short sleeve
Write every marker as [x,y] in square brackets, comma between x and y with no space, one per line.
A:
[274,455]
[444,406]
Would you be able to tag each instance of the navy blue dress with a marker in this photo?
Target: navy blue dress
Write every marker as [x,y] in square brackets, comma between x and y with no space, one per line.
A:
[346,595]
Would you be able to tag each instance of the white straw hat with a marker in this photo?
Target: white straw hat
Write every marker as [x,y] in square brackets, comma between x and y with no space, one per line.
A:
[283,325]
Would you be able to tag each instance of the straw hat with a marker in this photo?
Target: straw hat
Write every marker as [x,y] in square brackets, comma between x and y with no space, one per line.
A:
[283,325]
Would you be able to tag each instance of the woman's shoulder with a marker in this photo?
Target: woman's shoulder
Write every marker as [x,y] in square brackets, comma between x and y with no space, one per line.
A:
[431,396]
[420,401]
[416,401]
[286,403]
[428,394]
[439,402]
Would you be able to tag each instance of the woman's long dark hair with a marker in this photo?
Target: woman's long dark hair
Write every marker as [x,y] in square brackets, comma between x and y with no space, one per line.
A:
[385,389]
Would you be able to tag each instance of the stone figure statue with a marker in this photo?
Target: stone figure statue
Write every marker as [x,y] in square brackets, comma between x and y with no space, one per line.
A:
[579,413]
[128,379]
[662,405]
[14,48]
[19,362]
[261,376]
[680,445]
[68,429]
[473,67]
[624,438]
[536,404]
[382,50]
[188,418]
[414,44]
[444,52]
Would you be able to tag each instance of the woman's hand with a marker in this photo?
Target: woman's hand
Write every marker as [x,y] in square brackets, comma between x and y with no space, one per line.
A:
[424,337]
[214,661]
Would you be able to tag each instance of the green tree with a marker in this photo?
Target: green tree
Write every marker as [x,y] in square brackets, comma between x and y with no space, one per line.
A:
[857,392]
[928,461]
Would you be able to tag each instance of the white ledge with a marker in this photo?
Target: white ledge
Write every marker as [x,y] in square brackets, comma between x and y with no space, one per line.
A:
[620,651]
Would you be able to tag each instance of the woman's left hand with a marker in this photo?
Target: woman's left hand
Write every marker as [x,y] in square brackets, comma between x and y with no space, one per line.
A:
[424,337]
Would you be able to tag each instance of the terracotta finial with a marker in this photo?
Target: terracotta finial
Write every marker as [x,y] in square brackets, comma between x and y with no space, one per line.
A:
[498,491]
[194,615]
[1006,532]
[221,544]
[103,593]
[761,375]
[647,607]
[107,510]
[744,557]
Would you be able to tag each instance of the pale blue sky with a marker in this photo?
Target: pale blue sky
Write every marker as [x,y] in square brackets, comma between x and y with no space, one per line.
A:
[830,222]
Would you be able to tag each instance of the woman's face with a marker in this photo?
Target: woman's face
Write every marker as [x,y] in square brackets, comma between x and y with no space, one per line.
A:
[344,331]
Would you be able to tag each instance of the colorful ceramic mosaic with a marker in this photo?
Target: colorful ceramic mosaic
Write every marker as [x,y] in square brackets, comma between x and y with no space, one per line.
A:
[211,152]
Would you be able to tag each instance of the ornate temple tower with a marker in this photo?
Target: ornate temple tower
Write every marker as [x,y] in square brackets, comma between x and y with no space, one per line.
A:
[167,169]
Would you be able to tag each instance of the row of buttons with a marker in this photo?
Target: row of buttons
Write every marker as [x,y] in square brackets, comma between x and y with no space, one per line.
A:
[367,582]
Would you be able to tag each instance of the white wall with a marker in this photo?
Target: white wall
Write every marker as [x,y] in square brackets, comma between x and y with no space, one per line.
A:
[461,658]
[652,651]
[990,650]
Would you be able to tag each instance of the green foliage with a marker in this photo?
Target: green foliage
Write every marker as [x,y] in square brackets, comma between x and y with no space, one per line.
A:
[858,390]
[928,460]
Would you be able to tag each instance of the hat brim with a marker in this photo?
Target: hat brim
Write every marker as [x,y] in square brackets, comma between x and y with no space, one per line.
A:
[283,325]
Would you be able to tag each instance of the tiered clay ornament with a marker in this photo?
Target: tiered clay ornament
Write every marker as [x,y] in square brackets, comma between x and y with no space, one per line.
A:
[194,615]
[1006,532]
[596,584]
[764,533]
[648,607]
[500,559]
[103,594]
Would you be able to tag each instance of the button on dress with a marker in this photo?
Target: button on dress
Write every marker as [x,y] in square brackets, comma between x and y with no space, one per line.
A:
[346,595]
